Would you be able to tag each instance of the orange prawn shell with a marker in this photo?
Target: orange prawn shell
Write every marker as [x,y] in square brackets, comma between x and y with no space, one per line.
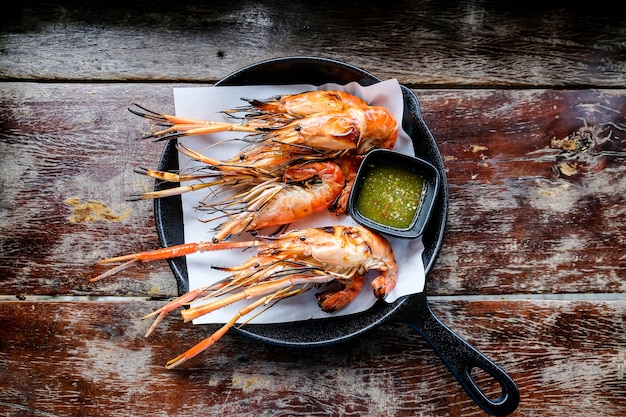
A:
[338,247]
[310,102]
[284,202]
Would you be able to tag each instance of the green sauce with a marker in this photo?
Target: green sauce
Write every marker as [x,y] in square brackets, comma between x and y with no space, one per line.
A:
[390,195]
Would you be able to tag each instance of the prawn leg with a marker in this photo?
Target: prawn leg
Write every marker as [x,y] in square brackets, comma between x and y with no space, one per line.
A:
[330,301]
[258,290]
[169,253]
[172,305]
[209,341]
[217,289]
[219,175]
[170,176]
[231,167]
[217,180]
[176,127]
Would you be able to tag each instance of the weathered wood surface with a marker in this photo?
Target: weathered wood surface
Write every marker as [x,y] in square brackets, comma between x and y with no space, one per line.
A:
[527,105]
[92,359]
[418,42]
[537,189]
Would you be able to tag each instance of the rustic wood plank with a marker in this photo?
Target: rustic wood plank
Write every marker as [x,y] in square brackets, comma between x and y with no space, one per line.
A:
[518,222]
[80,358]
[60,144]
[420,43]
[537,189]
[527,105]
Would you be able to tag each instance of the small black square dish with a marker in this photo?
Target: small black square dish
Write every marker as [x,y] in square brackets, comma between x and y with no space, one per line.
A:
[394,193]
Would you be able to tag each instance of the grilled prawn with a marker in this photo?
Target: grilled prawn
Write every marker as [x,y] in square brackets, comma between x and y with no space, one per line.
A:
[330,132]
[312,126]
[284,266]
[263,201]
[288,169]
[304,190]
[283,109]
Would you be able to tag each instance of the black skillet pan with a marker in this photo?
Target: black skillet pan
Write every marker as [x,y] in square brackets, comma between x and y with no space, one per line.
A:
[413,310]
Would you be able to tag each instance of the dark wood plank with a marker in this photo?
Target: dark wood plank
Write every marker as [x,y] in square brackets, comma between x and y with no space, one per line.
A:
[74,358]
[519,221]
[420,43]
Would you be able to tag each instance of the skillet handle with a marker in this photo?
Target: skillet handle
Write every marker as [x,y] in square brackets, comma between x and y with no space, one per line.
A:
[460,357]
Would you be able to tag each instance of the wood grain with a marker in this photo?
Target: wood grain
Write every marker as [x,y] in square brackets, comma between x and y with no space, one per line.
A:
[526,102]
[82,358]
[77,143]
[536,189]
[420,43]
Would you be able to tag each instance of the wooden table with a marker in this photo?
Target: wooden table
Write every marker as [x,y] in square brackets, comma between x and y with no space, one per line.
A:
[527,106]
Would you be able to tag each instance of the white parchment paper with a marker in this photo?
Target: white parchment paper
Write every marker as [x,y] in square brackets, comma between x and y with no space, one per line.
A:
[207,103]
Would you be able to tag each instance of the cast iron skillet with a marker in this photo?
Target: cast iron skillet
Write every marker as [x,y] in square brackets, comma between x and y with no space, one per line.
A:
[458,355]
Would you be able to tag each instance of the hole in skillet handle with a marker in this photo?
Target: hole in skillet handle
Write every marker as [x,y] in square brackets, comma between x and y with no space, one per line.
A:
[406,175]
[461,358]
